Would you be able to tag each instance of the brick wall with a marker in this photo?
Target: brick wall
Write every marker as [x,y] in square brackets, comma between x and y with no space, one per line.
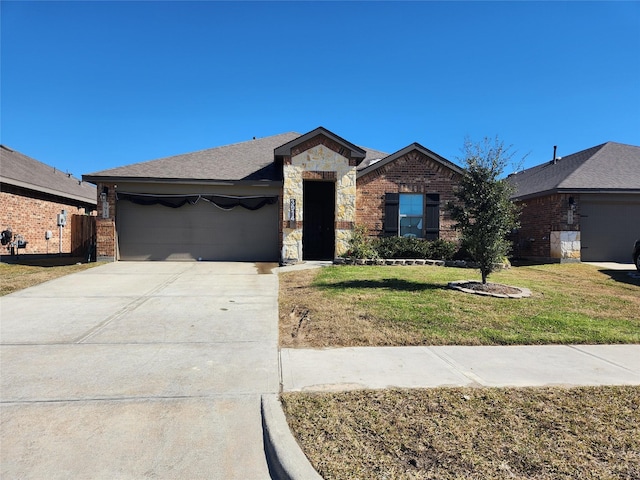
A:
[106,236]
[414,172]
[541,216]
[31,214]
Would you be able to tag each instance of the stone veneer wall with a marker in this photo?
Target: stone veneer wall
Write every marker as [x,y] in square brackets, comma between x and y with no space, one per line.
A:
[318,160]
[565,246]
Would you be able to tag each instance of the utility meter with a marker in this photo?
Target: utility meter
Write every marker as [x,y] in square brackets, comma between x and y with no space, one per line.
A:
[62,220]
[48,234]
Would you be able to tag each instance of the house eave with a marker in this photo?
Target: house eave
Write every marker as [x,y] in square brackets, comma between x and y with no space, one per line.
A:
[414,146]
[49,191]
[285,150]
[576,191]
[182,181]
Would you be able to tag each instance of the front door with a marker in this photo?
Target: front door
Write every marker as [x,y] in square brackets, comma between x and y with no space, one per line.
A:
[318,226]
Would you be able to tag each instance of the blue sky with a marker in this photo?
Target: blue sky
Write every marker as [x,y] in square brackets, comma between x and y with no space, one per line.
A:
[87,86]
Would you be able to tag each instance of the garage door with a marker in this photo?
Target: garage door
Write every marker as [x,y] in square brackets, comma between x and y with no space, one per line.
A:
[199,231]
[609,227]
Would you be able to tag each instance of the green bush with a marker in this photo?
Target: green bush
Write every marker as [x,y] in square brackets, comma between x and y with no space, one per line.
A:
[360,244]
[441,249]
[403,247]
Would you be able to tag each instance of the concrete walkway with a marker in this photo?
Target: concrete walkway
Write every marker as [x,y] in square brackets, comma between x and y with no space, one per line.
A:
[422,367]
[139,370]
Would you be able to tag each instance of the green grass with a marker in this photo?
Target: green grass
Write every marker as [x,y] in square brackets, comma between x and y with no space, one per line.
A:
[571,303]
[14,277]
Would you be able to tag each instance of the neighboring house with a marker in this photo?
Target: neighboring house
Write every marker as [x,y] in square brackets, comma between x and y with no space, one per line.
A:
[32,195]
[288,197]
[581,207]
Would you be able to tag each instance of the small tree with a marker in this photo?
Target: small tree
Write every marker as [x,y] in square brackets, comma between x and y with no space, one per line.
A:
[484,213]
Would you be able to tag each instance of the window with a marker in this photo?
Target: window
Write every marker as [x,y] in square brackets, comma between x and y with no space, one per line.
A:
[412,215]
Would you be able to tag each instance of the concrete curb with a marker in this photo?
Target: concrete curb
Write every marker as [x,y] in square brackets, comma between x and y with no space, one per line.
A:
[285,458]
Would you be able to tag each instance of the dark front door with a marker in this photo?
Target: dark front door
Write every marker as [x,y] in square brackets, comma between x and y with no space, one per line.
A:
[318,233]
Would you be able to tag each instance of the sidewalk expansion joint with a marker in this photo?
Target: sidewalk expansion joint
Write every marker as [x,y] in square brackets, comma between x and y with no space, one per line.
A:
[602,359]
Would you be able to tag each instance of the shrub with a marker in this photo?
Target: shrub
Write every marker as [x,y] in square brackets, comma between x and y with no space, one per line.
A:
[441,249]
[360,244]
[405,247]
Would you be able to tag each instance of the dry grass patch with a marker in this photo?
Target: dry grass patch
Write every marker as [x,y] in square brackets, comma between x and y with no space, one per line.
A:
[377,306]
[15,277]
[455,433]
[308,317]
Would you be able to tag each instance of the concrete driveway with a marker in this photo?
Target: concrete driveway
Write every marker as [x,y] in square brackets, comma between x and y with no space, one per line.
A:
[139,370]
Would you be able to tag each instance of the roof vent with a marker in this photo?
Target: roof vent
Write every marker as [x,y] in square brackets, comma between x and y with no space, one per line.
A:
[555,158]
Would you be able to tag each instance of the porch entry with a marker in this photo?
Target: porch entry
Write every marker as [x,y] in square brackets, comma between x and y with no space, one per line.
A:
[318,226]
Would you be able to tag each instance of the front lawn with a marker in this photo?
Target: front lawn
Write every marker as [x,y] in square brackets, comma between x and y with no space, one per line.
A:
[470,433]
[14,277]
[377,306]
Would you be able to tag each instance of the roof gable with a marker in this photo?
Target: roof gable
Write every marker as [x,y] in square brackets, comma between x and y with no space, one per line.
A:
[349,149]
[610,166]
[373,166]
[22,171]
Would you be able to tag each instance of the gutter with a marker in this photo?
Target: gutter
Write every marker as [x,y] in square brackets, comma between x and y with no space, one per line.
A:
[574,191]
[190,181]
[50,191]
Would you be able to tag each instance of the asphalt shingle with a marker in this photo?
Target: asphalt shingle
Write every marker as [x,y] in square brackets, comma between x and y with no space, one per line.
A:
[23,171]
[252,160]
[610,166]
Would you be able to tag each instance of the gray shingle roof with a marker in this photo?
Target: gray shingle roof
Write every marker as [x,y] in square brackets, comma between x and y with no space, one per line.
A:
[371,157]
[610,166]
[23,171]
[252,160]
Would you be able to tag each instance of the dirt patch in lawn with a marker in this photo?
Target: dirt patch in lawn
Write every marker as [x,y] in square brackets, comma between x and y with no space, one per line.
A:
[471,433]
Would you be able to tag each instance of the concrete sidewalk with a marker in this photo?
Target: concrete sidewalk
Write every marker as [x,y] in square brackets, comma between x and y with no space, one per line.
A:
[339,369]
[424,367]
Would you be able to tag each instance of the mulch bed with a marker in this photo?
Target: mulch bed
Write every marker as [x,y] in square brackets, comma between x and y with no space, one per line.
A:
[490,289]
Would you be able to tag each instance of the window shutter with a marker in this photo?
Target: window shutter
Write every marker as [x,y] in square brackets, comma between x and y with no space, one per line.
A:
[432,216]
[391,206]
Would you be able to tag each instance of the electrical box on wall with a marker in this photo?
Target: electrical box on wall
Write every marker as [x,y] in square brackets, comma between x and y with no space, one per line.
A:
[48,234]
[62,220]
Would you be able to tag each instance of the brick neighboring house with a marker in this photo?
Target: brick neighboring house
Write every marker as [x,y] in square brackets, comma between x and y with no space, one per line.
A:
[581,207]
[32,195]
[287,197]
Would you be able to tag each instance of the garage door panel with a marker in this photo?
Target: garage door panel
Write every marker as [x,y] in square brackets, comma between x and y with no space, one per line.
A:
[155,232]
[609,228]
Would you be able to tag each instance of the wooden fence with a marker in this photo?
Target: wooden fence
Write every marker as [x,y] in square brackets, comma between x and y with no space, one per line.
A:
[83,236]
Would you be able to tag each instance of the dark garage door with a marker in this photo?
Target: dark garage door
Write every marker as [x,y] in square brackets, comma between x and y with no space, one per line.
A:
[609,226]
[156,232]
